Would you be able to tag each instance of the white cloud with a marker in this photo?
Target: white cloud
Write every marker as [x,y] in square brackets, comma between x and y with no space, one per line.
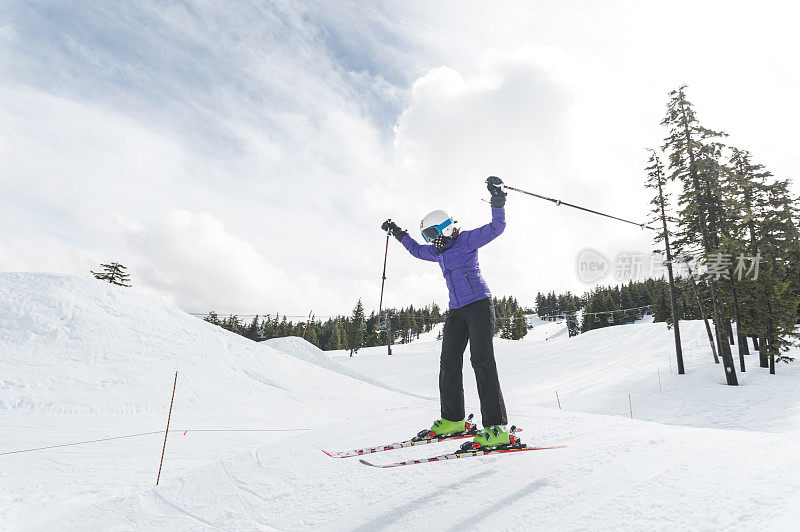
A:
[194,259]
[275,120]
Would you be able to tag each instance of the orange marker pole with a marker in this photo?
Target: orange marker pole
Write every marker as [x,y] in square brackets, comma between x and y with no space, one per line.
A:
[166,432]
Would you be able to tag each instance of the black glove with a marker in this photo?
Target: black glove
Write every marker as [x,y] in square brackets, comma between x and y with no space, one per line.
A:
[498,196]
[395,231]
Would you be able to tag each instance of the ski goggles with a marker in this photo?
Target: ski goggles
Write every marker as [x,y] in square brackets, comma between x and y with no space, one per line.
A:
[433,232]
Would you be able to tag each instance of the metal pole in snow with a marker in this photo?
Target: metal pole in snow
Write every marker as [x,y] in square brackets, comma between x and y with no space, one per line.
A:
[389,334]
[307,322]
[659,379]
[558,400]
[164,447]
[630,405]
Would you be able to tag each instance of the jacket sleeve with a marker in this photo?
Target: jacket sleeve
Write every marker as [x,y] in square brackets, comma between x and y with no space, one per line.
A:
[481,236]
[417,250]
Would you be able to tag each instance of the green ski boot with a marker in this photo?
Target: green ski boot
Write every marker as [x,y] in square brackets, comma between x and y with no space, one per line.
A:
[443,427]
[493,436]
[446,428]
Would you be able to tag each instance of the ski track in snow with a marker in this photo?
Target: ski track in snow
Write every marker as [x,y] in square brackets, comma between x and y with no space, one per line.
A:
[699,455]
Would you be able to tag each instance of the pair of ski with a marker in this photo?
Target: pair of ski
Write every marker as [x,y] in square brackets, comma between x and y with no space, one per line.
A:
[425,437]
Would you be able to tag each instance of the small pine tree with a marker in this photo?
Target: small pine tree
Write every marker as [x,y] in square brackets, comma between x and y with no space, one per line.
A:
[252,330]
[212,318]
[519,328]
[572,325]
[113,273]
[355,332]
[505,328]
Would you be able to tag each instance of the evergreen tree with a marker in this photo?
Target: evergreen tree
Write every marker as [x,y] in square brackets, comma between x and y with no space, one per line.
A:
[506,328]
[355,331]
[572,325]
[335,340]
[519,325]
[212,318]
[252,330]
[694,153]
[113,273]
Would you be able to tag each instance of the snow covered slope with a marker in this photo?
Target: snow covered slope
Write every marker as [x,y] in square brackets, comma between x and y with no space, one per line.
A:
[594,373]
[80,360]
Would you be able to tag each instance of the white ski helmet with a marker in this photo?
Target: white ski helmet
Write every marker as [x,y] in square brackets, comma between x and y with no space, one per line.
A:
[436,224]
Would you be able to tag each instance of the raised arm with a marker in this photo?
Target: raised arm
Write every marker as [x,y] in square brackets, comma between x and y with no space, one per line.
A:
[417,250]
[481,236]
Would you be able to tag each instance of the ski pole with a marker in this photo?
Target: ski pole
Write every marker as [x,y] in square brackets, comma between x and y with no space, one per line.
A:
[383,277]
[380,304]
[559,202]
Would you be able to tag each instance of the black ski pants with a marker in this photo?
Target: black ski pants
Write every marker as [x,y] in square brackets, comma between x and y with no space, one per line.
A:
[474,323]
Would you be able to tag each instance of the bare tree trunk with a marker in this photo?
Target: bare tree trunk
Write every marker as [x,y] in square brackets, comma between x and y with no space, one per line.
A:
[742,339]
[703,314]
[722,344]
[770,343]
[771,360]
[673,306]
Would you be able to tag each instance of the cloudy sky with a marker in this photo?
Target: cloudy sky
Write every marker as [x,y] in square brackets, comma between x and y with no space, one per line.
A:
[240,156]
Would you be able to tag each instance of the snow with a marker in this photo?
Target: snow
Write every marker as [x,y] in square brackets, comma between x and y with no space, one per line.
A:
[81,360]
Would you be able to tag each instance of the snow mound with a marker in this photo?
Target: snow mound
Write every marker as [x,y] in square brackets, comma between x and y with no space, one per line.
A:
[81,360]
[72,345]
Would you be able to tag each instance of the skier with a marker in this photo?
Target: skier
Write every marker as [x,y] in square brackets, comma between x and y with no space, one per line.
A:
[471,317]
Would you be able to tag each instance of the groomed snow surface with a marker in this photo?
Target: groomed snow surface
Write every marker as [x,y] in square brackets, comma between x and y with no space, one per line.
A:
[83,360]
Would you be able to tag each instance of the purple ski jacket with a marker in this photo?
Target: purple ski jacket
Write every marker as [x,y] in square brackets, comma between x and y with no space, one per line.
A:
[459,262]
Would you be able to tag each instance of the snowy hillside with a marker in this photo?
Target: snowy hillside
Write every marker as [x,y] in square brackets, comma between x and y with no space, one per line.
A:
[83,360]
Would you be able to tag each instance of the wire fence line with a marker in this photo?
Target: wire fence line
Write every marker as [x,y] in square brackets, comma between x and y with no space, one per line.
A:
[141,434]
[598,313]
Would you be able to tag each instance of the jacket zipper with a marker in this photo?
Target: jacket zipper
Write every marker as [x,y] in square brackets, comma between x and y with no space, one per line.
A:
[471,289]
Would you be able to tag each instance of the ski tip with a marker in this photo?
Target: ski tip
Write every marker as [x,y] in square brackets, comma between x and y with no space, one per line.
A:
[336,454]
[367,463]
